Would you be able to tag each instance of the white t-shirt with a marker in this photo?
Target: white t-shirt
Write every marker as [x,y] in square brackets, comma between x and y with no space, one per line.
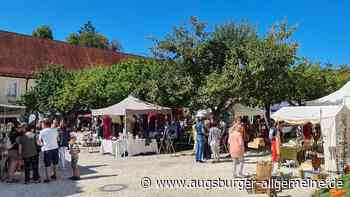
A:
[49,138]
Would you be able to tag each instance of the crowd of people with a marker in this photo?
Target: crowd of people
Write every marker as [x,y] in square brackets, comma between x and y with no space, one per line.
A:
[211,133]
[28,148]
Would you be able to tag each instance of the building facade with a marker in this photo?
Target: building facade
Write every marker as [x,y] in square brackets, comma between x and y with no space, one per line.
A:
[11,88]
[21,56]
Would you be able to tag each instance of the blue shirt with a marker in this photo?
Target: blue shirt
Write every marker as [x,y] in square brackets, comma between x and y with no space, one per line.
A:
[199,128]
[272,133]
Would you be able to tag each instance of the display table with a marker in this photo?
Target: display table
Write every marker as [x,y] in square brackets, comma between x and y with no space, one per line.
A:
[132,146]
[295,153]
[138,146]
[108,146]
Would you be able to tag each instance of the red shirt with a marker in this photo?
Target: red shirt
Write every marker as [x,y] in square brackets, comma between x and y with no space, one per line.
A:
[307,131]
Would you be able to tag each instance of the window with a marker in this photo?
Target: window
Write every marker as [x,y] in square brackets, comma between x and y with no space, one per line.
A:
[12,89]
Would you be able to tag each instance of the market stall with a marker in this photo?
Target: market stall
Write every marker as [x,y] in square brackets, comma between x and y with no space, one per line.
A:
[127,108]
[11,111]
[8,113]
[334,130]
[338,97]
[252,129]
[242,110]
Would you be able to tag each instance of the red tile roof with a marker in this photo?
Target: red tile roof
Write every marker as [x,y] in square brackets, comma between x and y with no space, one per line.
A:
[22,55]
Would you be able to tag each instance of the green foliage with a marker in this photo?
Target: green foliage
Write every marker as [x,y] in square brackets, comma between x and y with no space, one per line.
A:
[309,82]
[87,36]
[312,81]
[267,70]
[151,80]
[183,46]
[193,68]
[43,31]
[210,58]
[48,83]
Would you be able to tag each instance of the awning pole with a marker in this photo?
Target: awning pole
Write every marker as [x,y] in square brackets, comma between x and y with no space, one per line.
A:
[125,136]
[125,132]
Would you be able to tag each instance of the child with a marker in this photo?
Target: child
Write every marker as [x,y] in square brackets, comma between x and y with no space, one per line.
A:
[74,152]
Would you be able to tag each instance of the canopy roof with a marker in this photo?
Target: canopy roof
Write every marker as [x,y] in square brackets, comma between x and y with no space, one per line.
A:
[130,105]
[11,111]
[6,106]
[241,110]
[304,114]
[335,98]
[204,113]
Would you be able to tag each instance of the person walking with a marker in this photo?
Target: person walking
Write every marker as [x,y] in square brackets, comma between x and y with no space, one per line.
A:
[48,139]
[214,140]
[236,147]
[63,144]
[274,136]
[199,140]
[28,150]
[206,146]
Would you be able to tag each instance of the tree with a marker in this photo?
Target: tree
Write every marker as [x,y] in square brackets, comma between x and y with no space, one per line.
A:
[311,81]
[224,52]
[267,71]
[221,90]
[48,83]
[87,36]
[210,58]
[182,46]
[155,81]
[43,31]
[307,82]
[342,75]
[115,46]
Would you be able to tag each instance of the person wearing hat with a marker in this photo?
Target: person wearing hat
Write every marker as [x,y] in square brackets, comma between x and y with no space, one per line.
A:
[28,150]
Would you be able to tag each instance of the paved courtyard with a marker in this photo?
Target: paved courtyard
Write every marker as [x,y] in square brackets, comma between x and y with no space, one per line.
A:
[102,175]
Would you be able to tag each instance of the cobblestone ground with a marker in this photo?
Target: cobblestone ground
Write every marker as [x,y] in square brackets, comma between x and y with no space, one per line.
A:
[102,175]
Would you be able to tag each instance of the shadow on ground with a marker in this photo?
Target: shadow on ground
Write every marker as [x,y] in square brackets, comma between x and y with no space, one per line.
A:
[61,188]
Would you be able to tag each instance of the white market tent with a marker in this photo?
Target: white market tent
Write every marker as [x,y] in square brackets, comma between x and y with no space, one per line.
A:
[334,128]
[336,98]
[238,109]
[204,113]
[241,110]
[130,106]
[305,114]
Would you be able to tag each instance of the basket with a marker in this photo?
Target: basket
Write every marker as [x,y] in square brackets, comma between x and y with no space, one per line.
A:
[263,170]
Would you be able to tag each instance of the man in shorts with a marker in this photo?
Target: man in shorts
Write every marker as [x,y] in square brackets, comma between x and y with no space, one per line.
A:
[48,139]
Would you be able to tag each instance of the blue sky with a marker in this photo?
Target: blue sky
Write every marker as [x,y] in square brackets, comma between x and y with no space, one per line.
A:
[323,27]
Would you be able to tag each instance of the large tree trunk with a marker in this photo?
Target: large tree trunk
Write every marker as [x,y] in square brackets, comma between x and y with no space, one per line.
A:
[267,112]
[217,114]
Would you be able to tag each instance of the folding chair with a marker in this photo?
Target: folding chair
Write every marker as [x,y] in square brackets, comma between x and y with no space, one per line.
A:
[163,144]
[170,145]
